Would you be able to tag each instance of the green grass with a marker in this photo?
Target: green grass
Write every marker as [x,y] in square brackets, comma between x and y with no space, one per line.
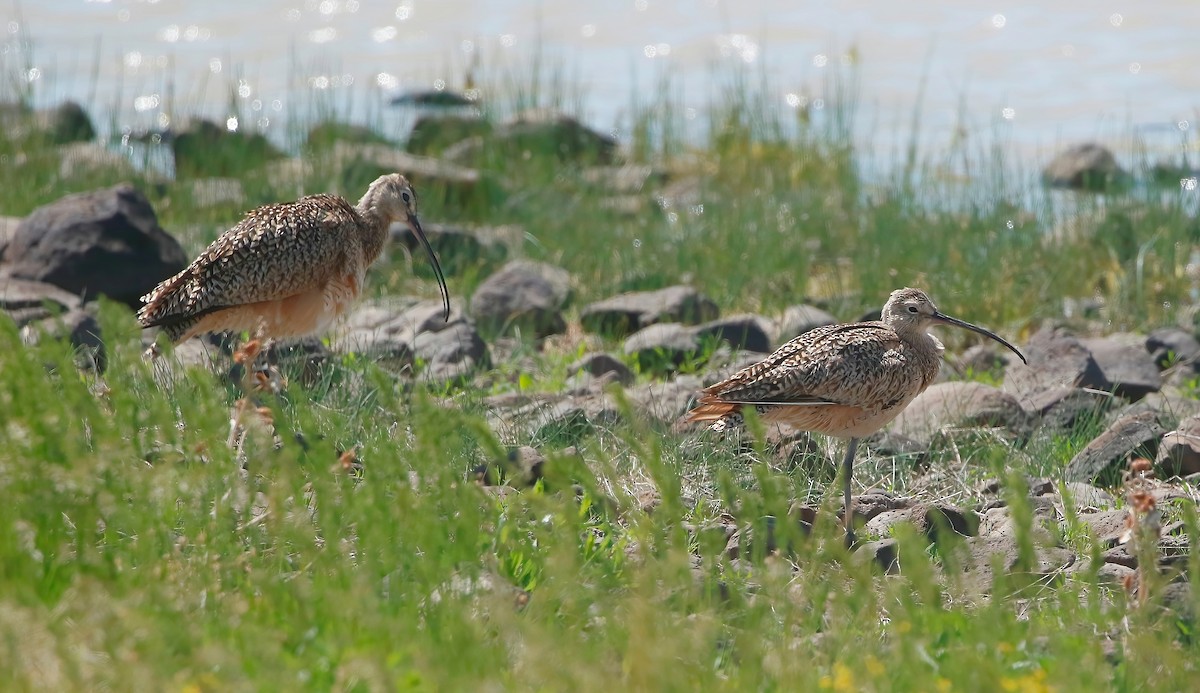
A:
[136,553]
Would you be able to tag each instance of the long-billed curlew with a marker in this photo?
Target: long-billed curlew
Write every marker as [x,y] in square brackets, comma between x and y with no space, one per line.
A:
[846,381]
[287,270]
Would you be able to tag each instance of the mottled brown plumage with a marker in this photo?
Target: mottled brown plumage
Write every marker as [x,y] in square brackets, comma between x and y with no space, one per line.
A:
[846,381]
[286,270]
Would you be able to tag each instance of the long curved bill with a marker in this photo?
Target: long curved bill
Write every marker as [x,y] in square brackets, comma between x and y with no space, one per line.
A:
[415,224]
[943,318]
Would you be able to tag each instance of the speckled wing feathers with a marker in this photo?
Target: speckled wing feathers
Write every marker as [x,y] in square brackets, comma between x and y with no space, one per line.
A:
[276,251]
[857,364]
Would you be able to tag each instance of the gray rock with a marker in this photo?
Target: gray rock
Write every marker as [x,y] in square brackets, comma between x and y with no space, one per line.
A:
[666,401]
[327,133]
[8,227]
[600,365]
[1086,166]
[523,296]
[1172,346]
[627,313]
[399,334]
[28,301]
[1127,368]
[1003,551]
[103,242]
[663,346]
[1056,360]
[433,133]
[1172,551]
[203,149]
[77,326]
[1086,496]
[451,353]
[459,247]
[1108,452]
[68,122]
[959,404]
[928,519]
[537,132]
[798,319]
[1062,408]
[884,554]
[1106,527]
[1179,452]
[748,332]
[983,358]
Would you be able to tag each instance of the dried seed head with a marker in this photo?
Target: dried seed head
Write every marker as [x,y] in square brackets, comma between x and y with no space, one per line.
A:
[247,352]
[1142,502]
[1140,465]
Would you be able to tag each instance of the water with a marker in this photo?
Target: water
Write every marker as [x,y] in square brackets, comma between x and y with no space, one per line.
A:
[1030,74]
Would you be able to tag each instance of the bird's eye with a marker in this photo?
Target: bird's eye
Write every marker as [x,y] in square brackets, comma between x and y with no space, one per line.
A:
[912,309]
[406,197]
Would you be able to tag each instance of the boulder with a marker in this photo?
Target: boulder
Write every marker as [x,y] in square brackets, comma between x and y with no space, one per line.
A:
[535,133]
[1062,408]
[433,133]
[928,519]
[1126,366]
[959,404]
[523,296]
[77,326]
[627,313]
[1174,346]
[664,346]
[798,319]
[29,301]
[403,334]
[327,133]
[1086,166]
[1179,452]
[436,98]
[459,247]
[600,365]
[202,148]
[748,332]
[1106,527]
[104,242]
[68,122]
[1056,360]
[1103,458]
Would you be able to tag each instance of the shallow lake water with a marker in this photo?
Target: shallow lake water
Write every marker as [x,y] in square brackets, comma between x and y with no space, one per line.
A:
[1031,75]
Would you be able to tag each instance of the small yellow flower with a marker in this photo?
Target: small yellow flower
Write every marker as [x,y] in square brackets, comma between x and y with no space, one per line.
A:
[1005,647]
[943,685]
[874,666]
[843,678]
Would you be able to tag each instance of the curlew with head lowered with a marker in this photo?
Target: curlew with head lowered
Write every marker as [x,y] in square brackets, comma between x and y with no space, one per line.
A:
[287,270]
[846,381]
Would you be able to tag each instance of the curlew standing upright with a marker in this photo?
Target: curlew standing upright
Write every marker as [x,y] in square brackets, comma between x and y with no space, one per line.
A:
[846,381]
[289,269]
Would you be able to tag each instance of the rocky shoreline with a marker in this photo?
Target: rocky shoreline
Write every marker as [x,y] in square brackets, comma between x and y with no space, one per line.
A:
[1132,395]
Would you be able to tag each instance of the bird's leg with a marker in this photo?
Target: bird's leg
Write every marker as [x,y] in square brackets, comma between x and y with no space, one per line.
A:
[847,476]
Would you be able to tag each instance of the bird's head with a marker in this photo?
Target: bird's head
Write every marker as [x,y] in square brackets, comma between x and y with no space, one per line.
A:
[911,310]
[392,198]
